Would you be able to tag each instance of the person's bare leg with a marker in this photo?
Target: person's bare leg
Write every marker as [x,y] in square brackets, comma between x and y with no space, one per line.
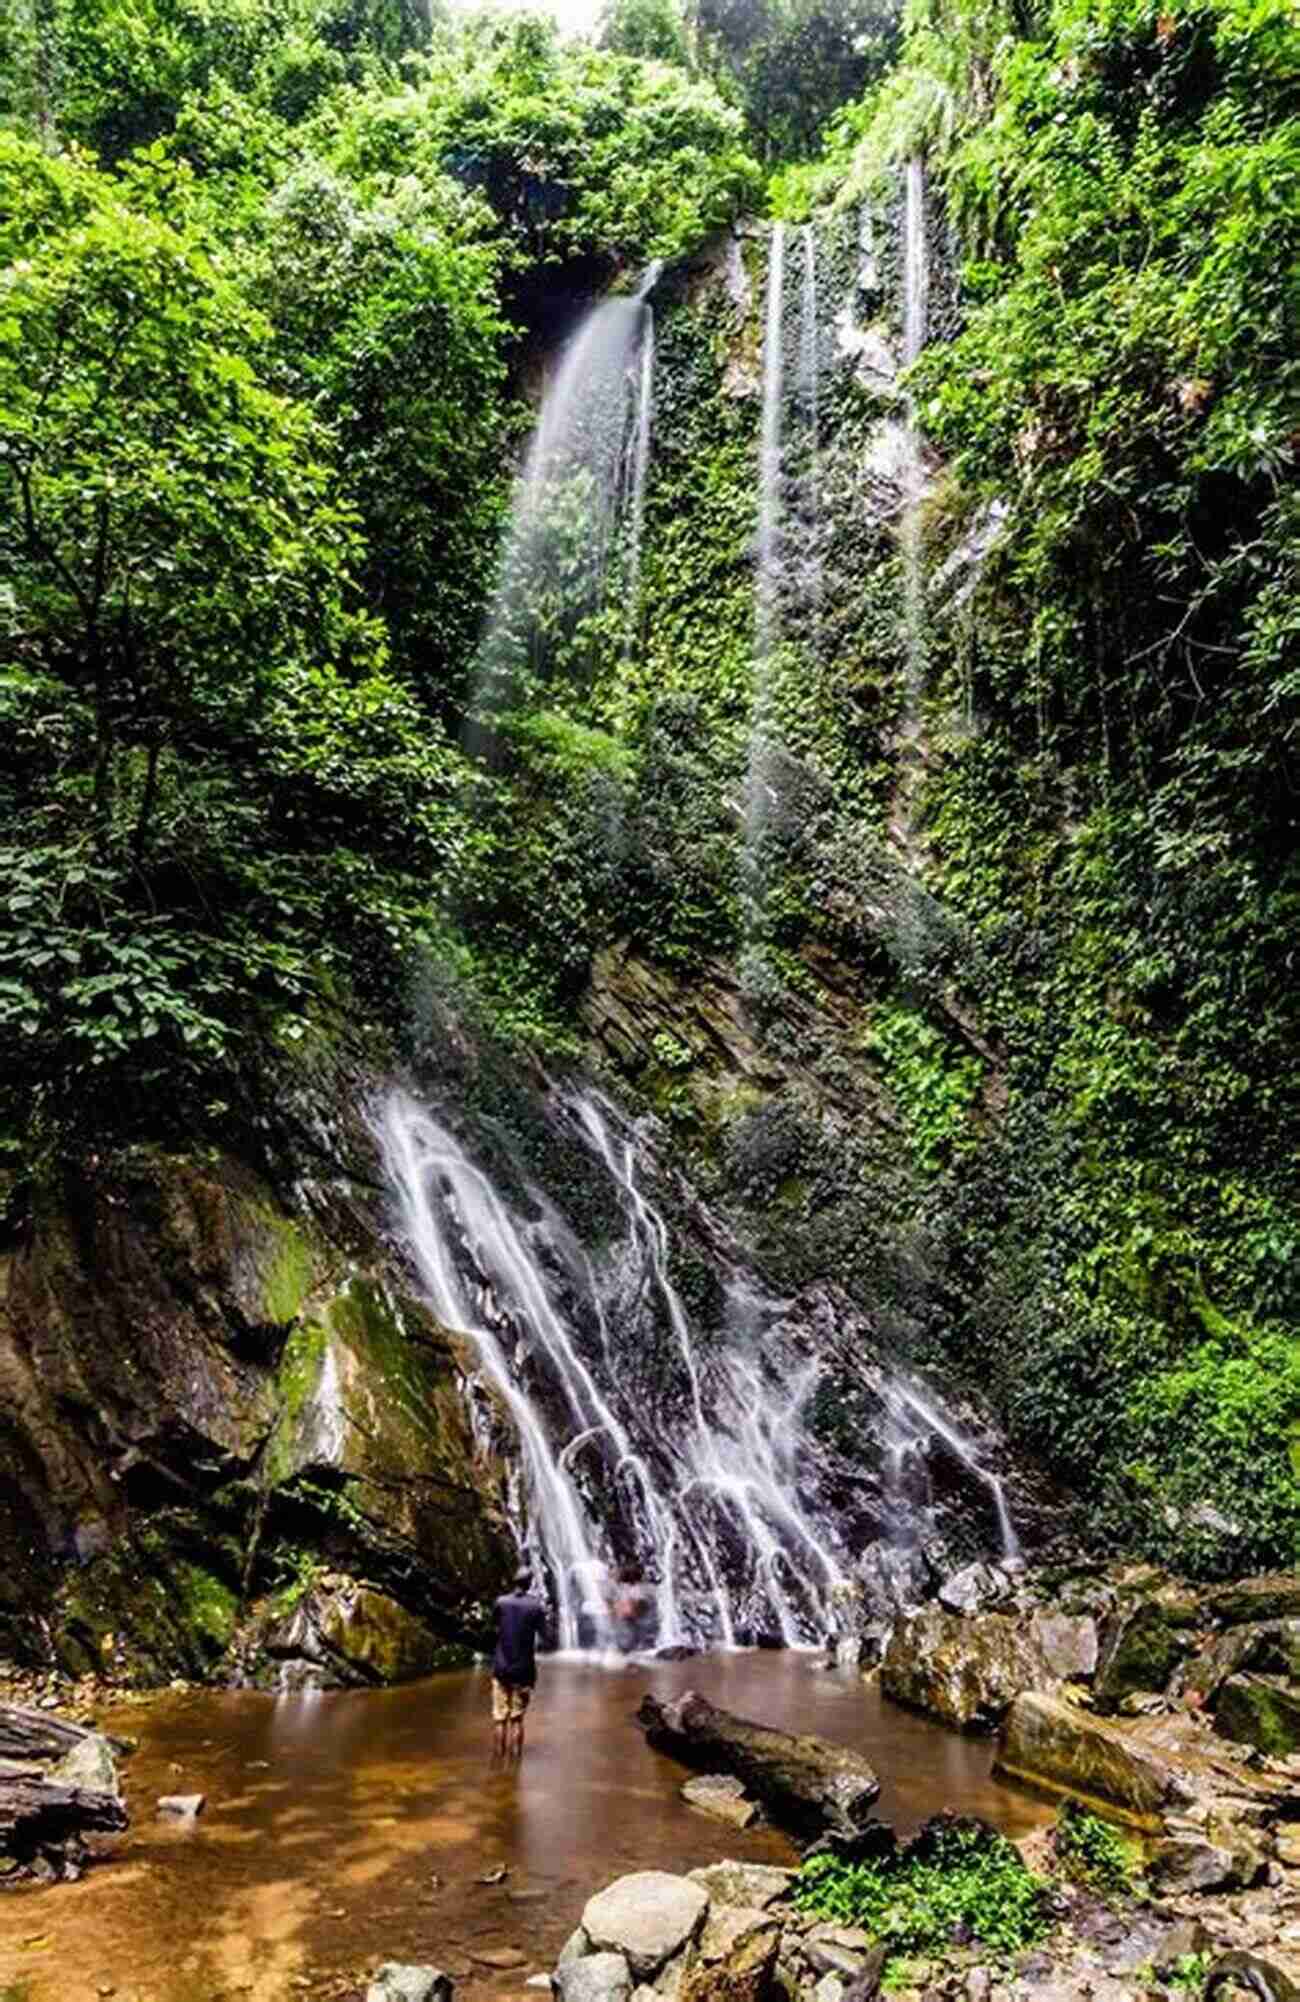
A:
[499,1732]
[516,1738]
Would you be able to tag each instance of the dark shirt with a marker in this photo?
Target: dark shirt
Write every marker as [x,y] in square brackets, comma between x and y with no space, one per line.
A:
[520,1619]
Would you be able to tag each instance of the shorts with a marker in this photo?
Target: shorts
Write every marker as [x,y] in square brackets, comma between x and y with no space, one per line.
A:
[509,1702]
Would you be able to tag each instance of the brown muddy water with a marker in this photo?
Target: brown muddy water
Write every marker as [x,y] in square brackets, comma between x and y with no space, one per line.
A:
[346,1829]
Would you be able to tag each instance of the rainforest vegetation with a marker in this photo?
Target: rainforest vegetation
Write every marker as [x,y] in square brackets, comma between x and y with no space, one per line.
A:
[274,281]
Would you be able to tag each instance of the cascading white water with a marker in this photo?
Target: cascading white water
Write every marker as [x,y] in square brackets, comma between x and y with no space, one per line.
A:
[917,1416]
[586,464]
[440,1193]
[810,410]
[709,1504]
[736,1453]
[640,471]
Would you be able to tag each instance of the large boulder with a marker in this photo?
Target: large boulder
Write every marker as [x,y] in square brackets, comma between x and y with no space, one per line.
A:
[1052,1745]
[1275,1596]
[1067,1643]
[647,1917]
[734,1958]
[1270,1646]
[807,1783]
[342,1633]
[964,1671]
[1259,1710]
[1145,1642]
[89,1763]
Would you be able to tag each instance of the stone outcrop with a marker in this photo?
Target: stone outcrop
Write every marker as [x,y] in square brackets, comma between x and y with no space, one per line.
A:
[966,1671]
[208,1391]
[61,1790]
[1054,1745]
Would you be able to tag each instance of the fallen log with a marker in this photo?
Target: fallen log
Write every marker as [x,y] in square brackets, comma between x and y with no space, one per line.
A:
[808,1784]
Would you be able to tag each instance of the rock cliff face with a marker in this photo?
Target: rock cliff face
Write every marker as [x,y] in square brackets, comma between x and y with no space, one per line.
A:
[212,1392]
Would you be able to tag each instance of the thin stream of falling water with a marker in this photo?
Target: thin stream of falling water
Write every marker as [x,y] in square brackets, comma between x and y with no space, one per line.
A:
[809,397]
[920,1407]
[424,1159]
[769,540]
[640,470]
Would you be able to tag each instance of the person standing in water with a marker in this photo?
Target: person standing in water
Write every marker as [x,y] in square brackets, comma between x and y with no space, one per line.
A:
[520,1619]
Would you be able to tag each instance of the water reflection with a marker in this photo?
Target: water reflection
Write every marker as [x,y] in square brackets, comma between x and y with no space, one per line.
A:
[351,1828]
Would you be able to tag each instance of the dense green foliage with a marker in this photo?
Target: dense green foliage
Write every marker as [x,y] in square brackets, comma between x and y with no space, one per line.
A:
[1013,902]
[955,1877]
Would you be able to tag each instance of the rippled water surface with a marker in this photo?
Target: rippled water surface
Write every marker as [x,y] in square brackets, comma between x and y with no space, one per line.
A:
[346,1829]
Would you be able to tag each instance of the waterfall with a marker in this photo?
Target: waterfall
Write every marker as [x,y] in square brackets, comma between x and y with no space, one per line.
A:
[912,484]
[769,465]
[916,263]
[584,472]
[810,411]
[440,1191]
[685,1462]
[917,1416]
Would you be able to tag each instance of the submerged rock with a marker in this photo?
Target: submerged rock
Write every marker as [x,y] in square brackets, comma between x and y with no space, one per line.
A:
[647,1917]
[722,1796]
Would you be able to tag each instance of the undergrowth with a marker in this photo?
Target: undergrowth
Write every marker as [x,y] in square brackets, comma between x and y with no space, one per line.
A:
[959,1880]
[1091,1852]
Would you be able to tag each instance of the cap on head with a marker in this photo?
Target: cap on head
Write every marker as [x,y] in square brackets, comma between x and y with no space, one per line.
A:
[523,1581]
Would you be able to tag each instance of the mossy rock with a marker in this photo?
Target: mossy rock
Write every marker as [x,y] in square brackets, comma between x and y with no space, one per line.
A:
[1257,1710]
[1143,1648]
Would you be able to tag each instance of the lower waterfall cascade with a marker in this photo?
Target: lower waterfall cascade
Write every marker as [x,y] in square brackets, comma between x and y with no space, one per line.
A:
[686,1462]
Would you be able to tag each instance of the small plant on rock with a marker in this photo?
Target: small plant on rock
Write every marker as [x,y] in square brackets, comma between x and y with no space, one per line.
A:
[1091,1852]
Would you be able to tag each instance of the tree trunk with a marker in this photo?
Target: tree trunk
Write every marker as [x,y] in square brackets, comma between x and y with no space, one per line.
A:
[808,1784]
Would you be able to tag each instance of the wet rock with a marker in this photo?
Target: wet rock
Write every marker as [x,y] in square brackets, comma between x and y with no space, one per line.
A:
[807,1783]
[647,1917]
[1067,1642]
[894,1579]
[1144,1644]
[89,1763]
[974,1588]
[722,1796]
[964,1671]
[397,1982]
[1255,1710]
[181,1806]
[677,1651]
[1266,1979]
[1050,1744]
[754,1886]
[734,1958]
[1187,1863]
[1275,1596]
[599,1977]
